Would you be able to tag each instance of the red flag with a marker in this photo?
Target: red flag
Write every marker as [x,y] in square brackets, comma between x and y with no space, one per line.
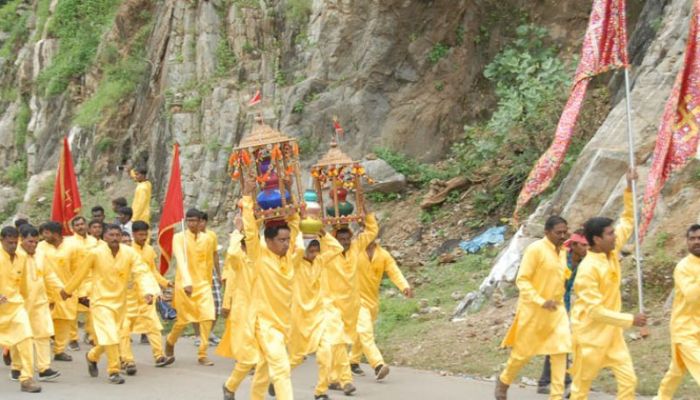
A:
[677,140]
[173,213]
[66,197]
[338,129]
[604,48]
[257,98]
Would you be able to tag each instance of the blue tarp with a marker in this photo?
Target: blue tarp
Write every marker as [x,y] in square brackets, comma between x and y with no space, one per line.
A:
[492,236]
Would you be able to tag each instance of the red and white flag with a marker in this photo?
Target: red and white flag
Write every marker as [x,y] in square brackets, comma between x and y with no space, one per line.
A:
[677,140]
[173,212]
[604,48]
[257,98]
[338,129]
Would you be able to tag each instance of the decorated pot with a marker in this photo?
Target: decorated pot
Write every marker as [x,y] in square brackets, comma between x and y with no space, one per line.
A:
[344,208]
[310,196]
[310,226]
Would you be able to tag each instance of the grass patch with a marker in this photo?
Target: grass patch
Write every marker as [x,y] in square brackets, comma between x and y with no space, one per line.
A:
[378,197]
[15,25]
[79,25]
[298,11]
[438,52]
[413,170]
[225,58]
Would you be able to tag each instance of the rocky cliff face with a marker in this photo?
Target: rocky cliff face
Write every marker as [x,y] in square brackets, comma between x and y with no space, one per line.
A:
[397,73]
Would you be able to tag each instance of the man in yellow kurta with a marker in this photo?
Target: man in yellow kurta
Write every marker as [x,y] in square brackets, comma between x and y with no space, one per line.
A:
[142,317]
[238,341]
[141,206]
[213,262]
[541,325]
[63,258]
[39,281]
[343,291]
[112,265]
[192,297]
[81,238]
[15,328]
[371,267]
[271,297]
[685,319]
[596,320]
[308,309]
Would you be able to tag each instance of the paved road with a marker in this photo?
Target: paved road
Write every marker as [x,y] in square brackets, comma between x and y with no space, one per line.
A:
[187,380]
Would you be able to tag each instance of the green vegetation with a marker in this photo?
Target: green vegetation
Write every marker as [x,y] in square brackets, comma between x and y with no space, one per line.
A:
[308,146]
[442,280]
[105,144]
[192,104]
[298,11]
[298,107]
[414,171]
[79,25]
[438,52]
[459,35]
[23,117]
[16,174]
[42,14]
[378,197]
[225,58]
[15,25]
[529,79]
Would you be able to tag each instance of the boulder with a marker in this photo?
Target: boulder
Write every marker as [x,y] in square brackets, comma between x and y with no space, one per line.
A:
[387,180]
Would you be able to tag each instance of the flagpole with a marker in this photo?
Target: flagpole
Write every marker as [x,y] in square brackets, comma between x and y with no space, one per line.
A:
[630,136]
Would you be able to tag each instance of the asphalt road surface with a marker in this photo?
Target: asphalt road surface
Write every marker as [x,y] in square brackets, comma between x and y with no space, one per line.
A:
[187,380]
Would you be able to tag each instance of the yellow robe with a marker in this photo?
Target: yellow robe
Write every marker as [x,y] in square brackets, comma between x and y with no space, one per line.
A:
[14,321]
[142,202]
[87,243]
[271,298]
[371,273]
[64,261]
[238,340]
[596,320]
[111,277]
[307,306]
[685,327]
[145,315]
[541,277]
[196,271]
[341,287]
[39,281]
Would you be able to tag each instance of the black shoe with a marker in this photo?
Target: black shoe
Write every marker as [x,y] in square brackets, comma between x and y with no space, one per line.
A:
[164,361]
[74,345]
[144,339]
[116,379]
[356,370]
[321,397]
[381,372]
[6,357]
[48,375]
[229,395]
[14,375]
[542,389]
[349,389]
[271,390]
[130,369]
[335,386]
[62,357]
[92,367]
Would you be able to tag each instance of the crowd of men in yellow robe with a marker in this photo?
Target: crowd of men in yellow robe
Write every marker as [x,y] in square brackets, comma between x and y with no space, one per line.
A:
[593,333]
[282,301]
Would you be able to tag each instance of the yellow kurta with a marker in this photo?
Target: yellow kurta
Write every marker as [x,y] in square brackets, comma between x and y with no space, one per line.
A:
[307,306]
[195,271]
[145,315]
[238,340]
[14,321]
[685,317]
[142,202]
[371,273]
[341,287]
[87,243]
[213,245]
[596,320]
[64,261]
[39,282]
[111,277]
[271,298]
[541,277]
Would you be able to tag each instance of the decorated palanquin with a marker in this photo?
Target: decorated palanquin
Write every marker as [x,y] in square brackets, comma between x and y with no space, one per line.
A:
[273,159]
[338,187]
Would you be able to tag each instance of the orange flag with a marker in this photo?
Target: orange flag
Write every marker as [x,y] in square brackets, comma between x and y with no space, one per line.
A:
[66,197]
[677,139]
[604,48]
[173,213]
